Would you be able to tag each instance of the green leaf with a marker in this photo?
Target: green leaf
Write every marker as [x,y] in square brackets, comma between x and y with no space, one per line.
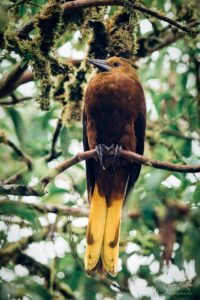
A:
[153,181]
[196,194]
[18,124]
[64,140]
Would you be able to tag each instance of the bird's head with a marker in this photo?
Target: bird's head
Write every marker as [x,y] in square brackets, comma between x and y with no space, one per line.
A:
[115,64]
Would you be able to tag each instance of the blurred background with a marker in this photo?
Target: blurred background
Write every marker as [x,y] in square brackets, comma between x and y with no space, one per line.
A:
[43,75]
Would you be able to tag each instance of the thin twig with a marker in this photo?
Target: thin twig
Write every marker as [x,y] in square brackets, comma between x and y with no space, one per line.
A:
[194,23]
[160,16]
[73,245]
[13,102]
[53,153]
[163,38]
[16,177]
[19,152]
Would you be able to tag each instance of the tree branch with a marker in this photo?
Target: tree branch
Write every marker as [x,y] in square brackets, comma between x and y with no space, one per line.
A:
[20,190]
[16,177]
[160,16]
[165,37]
[59,209]
[122,153]
[9,81]
[18,151]
[55,209]
[39,189]
[18,76]
[159,164]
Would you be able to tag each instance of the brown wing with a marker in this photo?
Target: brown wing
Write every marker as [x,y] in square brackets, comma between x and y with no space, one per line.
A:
[139,126]
[90,162]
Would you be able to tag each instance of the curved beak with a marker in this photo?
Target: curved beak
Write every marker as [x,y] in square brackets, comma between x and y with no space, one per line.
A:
[100,63]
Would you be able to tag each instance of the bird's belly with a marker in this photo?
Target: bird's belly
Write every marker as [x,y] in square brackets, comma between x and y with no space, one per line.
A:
[109,128]
[112,125]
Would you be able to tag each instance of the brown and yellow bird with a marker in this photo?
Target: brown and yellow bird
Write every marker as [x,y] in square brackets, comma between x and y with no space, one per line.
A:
[114,115]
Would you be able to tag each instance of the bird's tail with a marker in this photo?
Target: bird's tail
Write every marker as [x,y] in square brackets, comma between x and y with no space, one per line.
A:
[110,249]
[102,239]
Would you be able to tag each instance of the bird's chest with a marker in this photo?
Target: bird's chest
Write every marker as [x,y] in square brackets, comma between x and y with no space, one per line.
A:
[111,116]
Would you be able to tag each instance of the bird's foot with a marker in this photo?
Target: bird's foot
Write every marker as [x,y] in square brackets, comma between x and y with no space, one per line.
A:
[117,149]
[101,148]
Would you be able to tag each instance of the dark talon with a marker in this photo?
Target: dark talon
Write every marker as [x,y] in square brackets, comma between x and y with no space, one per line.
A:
[101,148]
[116,154]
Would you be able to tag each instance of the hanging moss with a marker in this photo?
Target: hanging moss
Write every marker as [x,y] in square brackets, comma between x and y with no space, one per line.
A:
[99,41]
[73,20]
[43,99]
[72,113]
[47,22]
[57,66]
[39,50]
[58,89]
[94,27]
[74,95]
[123,34]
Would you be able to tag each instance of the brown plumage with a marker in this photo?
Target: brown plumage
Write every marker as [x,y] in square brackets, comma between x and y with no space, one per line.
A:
[114,113]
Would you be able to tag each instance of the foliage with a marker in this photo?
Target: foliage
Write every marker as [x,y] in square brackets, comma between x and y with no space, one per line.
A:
[161,214]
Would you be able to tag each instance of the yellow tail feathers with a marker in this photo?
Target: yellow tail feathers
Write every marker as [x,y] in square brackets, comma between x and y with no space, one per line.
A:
[103,234]
[110,250]
[95,230]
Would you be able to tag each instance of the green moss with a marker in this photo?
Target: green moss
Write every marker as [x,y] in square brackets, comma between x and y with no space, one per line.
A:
[123,33]
[72,113]
[94,27]
[74,95]
[99,41]
[3,136]
[47,22]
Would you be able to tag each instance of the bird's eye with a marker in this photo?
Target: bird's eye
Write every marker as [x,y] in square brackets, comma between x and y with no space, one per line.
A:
[116,64]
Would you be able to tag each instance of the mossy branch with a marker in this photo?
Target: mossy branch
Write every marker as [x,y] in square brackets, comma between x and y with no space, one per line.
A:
[73,6]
